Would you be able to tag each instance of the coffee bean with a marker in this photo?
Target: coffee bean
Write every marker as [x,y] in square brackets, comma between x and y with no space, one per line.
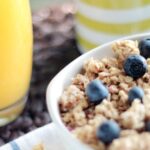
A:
[5,135]
[3,129]
[42,119]
[31,128]
[17,124]
[38,122]
[16,134]
[45,117]
[36,107]
[27,122]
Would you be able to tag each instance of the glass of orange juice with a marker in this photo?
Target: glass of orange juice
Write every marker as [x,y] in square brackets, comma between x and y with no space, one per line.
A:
[15,57]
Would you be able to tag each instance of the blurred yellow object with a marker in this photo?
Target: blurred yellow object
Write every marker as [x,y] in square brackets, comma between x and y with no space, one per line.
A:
[15,52]
[100,21]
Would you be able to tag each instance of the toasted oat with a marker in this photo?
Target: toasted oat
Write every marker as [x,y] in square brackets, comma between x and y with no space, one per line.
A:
[71,97]
[103,108]
[132,142]
[38,147]
[134,117]
[123,49]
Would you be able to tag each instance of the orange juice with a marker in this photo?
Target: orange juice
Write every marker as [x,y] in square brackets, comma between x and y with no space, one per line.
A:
[15,51]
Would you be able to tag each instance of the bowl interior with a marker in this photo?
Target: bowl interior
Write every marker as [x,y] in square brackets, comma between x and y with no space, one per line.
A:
[63,78]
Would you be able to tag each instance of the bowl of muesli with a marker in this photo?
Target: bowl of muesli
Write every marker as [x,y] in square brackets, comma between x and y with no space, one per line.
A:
[101,100]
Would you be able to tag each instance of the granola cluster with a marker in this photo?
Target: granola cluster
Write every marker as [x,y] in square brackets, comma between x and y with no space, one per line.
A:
[83,118]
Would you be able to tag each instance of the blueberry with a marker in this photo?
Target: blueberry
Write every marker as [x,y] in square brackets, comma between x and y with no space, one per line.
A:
[135,93]
[96,91]
[108,131]
[144,46]
[135,66]
[147,126]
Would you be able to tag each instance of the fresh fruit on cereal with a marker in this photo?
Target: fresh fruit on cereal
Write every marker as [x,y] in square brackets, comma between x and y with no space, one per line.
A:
[96,91]
[109,107]
[108,131]
[135,66]
[144,46]
[135,93]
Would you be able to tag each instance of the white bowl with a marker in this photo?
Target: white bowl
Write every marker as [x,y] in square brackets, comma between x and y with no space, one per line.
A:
[62,79]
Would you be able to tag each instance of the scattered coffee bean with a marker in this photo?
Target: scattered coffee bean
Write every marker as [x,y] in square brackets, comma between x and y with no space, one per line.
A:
[36,108]
[27,122]
[38,122]
[15,134]
[5,135]
[17,123]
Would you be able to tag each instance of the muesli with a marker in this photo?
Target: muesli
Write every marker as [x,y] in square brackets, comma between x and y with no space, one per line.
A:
[107,105]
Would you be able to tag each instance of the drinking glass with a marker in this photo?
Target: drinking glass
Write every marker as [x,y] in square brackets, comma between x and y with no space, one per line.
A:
[15,57]
[101,21]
